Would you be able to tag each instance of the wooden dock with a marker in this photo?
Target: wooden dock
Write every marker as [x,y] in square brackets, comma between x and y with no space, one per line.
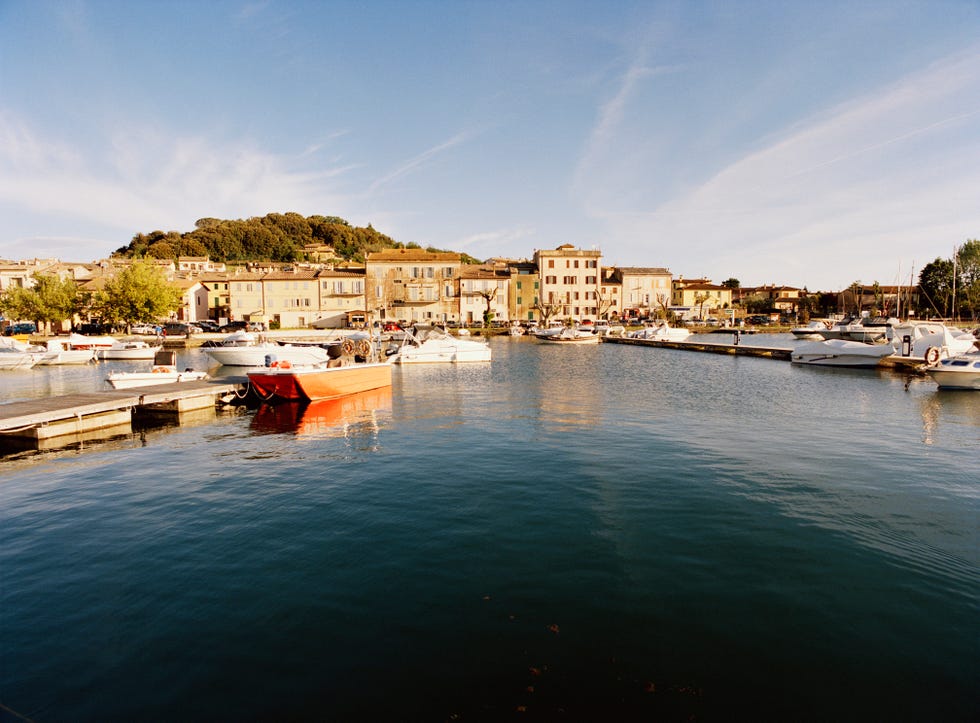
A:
[77,415]
[894,362]
[768,352]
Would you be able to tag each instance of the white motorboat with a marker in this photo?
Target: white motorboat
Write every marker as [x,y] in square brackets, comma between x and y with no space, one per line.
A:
[128,351]
[960,372]
[840,353]
[813,330]
[60,353]
[16,354]
[516,329]
[437,347]
[870,330]
[244,349]
[661,332]
[80,341]
[163,371]
[568,335]
[930,341]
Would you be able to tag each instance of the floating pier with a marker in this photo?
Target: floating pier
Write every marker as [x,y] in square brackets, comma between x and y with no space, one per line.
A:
[769,352]
[57,421]
[895,361]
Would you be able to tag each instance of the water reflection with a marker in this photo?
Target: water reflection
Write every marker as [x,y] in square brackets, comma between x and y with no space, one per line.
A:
[353,415]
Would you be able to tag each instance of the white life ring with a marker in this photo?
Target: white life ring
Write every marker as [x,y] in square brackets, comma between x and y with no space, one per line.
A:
[932,355]
[347,347]
[364,348]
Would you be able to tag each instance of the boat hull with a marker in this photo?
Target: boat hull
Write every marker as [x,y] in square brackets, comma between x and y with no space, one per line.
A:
[840,353]
[442,350]
[566,338]
[961,372]
[67,356]
[254,356]
[129,380]
[315,383]
[128,353]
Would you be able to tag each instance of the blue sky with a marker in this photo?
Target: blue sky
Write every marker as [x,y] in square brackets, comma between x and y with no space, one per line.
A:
[804,143]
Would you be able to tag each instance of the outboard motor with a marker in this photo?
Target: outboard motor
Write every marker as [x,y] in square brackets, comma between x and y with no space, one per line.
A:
[269,359]
[906,345]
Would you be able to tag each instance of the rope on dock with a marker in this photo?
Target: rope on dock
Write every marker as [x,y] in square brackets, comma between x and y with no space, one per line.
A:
[15,430]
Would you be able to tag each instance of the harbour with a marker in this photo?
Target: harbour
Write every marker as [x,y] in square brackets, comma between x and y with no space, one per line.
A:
[609,530]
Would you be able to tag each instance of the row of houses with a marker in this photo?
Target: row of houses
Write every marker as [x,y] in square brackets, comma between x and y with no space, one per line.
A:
[416,286]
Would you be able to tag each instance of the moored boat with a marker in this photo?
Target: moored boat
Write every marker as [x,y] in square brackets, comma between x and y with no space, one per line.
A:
[244,349]
[16,354]
[661,332]
[127,351]
[812,330]
[60,353]
[80,341]
[283,381]
[930,341]
[960,372]
[568,335]
[163,371]
[437,347]
[840,353]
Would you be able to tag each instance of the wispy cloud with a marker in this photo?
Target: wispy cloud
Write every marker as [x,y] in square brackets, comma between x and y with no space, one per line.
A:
[152,180]
[610,116]
[887,171]
[497,242]
[420,160]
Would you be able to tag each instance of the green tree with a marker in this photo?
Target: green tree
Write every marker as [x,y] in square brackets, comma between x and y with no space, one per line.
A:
[731,283]
[936,287]
[138,293]
[52,300]
[968,284]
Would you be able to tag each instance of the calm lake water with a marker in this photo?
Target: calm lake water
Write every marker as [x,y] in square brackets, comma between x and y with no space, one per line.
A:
[664,534]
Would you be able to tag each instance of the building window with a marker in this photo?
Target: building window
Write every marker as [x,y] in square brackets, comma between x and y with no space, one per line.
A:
[551,263]
[576,263]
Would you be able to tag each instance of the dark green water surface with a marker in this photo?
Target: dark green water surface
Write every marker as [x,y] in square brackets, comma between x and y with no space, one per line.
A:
[591,533]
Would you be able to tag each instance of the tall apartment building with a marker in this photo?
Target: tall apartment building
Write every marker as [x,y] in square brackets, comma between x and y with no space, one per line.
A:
[570,281]
[413,285]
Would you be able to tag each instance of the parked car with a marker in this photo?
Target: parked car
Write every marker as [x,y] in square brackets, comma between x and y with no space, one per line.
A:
[233,326]
[206,325]
[144,329]
[24,327]
[92,328]
[179,328]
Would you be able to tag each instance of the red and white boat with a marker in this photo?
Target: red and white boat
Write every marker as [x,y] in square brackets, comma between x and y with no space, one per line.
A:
[284,381]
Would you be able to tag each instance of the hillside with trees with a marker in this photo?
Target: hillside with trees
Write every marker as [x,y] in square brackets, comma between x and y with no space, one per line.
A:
[273,237]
